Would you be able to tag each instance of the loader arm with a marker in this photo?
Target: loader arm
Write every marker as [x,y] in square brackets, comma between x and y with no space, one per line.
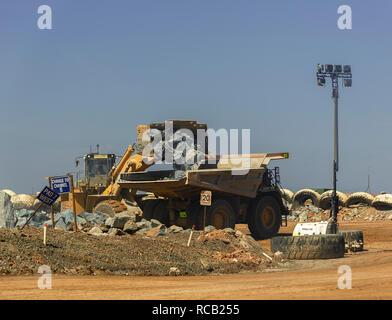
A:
[130,162]
[134,163]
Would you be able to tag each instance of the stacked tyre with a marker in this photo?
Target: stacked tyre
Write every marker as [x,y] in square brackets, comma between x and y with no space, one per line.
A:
[303,195]
[359,198]
[326,199]
[383,202]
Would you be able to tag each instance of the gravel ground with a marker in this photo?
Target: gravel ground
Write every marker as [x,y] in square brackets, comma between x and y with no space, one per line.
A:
[23,252]
[307,279]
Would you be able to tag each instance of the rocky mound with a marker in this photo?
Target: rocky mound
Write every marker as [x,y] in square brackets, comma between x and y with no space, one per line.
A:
[67,252]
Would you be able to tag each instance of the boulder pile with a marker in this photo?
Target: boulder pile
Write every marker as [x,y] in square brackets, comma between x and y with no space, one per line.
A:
[63,220]
[28,202]
[128,222]
[15,210]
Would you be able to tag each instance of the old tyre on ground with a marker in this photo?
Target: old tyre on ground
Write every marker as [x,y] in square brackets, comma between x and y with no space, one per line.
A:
[110,207]
[264,218]
[359,198]
[323,246]
[302,195]
[326,198]
[353,240]
[221,214]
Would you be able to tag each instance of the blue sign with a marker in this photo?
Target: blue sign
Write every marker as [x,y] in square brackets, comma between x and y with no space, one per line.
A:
[48,196]
[61,184]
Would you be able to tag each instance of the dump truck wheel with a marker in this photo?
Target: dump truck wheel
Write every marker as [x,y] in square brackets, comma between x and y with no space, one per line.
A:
[156,209]
[195,216]
[110,207]
[161,212]
[265,218]
[359,198]
[323,246]
[302,195]
[353,240]
[221,215]
[148,208]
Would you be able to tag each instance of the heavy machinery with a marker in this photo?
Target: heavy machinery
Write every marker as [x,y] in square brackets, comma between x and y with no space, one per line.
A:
[98,190]
[251,196]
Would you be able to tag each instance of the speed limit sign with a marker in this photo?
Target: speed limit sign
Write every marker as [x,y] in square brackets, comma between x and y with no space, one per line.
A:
[205,198]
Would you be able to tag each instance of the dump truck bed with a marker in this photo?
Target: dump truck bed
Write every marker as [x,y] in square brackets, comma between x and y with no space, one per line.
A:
[163,183]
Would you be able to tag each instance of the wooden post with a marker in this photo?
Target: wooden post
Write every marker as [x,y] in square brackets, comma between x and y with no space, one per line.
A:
[190,236]
[51,207]
[73,202]
[45,234]
[32,215]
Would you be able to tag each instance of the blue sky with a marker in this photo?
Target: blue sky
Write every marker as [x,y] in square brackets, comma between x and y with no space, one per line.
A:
[108,66]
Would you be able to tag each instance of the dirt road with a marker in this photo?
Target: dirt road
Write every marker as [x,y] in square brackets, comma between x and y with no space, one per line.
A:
[371,279]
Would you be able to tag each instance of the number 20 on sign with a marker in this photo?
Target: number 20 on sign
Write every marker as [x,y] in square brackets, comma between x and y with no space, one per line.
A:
[205,198]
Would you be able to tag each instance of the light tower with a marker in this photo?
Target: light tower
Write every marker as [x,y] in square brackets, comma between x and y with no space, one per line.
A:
[334,72]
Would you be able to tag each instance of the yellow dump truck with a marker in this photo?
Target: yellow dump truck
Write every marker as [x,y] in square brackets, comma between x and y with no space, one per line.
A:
[253,198]
[243,191]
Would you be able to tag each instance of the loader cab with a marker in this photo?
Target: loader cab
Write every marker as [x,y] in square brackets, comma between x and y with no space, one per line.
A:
[96,169]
